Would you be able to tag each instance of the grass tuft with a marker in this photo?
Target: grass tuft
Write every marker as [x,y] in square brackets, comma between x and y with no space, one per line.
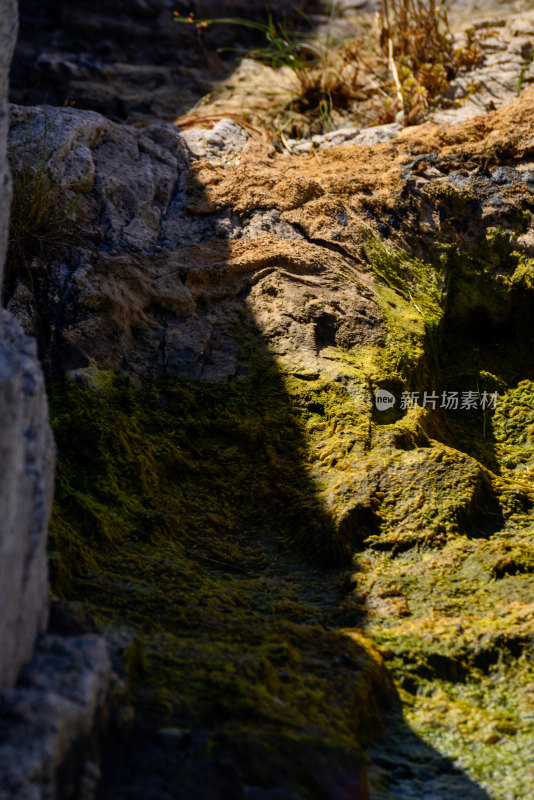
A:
[42,218]
[400,70]
[416,38]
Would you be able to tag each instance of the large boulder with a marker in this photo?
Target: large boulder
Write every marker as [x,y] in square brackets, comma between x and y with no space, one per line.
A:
[26,446]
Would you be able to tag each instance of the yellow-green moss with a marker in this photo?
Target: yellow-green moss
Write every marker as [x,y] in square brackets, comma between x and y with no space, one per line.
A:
[195,515]
[180,510]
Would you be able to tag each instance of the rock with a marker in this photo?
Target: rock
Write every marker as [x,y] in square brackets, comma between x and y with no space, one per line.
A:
[340,136]
[377,134]
[8,35]
[26,481]
[46,722]
[504,72]
[61,53]
[26,450]
[145,68]
[364,267]
[220,144]
[368,136]
[522,25]
[187,227]
[134,205]
[47,743]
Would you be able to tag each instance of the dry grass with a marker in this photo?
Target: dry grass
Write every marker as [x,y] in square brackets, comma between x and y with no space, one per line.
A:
[401,68]
[41,222]
[423,59]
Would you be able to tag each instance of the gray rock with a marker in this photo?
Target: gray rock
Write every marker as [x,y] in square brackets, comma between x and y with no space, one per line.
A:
[119,177]
[47,746]
[159,289]
[220,144]
[378,134]
[506,69]
[342,134]
[300,147]
[26,448]
[368,136]
[8,35]
[26,481]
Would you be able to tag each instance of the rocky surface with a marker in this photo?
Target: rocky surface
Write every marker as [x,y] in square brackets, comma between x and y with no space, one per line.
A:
[47,733]
[507,47]
[47,711]
[8,33]
[62,56]
[26,449]
[132,78]
[507,43]
[272,97]
[26,481]
[267,297]
[233,506]
[138,209]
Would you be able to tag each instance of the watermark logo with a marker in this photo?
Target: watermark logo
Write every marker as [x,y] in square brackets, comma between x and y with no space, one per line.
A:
[384,399]
[449,401]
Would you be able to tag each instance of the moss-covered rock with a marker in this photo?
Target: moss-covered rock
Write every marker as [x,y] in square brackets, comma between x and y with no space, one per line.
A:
[229,493]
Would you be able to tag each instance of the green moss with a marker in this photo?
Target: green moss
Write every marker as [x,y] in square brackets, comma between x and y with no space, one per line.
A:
[454,200]
[523,276]
[183,512]
[179,513]
[415,281]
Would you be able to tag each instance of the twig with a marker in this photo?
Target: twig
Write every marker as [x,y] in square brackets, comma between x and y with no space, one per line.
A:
[190,121]
[395,74]
[284,142]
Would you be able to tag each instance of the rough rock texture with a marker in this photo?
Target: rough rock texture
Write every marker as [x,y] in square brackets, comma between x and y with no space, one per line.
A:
[261,93]
[26,450]
[8,34]
[228,316]
[47,730]
[26,480]
[47,719]
[126,74]
[231,502]
[180,323]
[507,43]
[372,135]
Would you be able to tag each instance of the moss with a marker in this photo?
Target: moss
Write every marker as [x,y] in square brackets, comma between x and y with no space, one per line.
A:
[523,276]
[446,565]
[414,280]
[454,200]
[183,510]
[179,513]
